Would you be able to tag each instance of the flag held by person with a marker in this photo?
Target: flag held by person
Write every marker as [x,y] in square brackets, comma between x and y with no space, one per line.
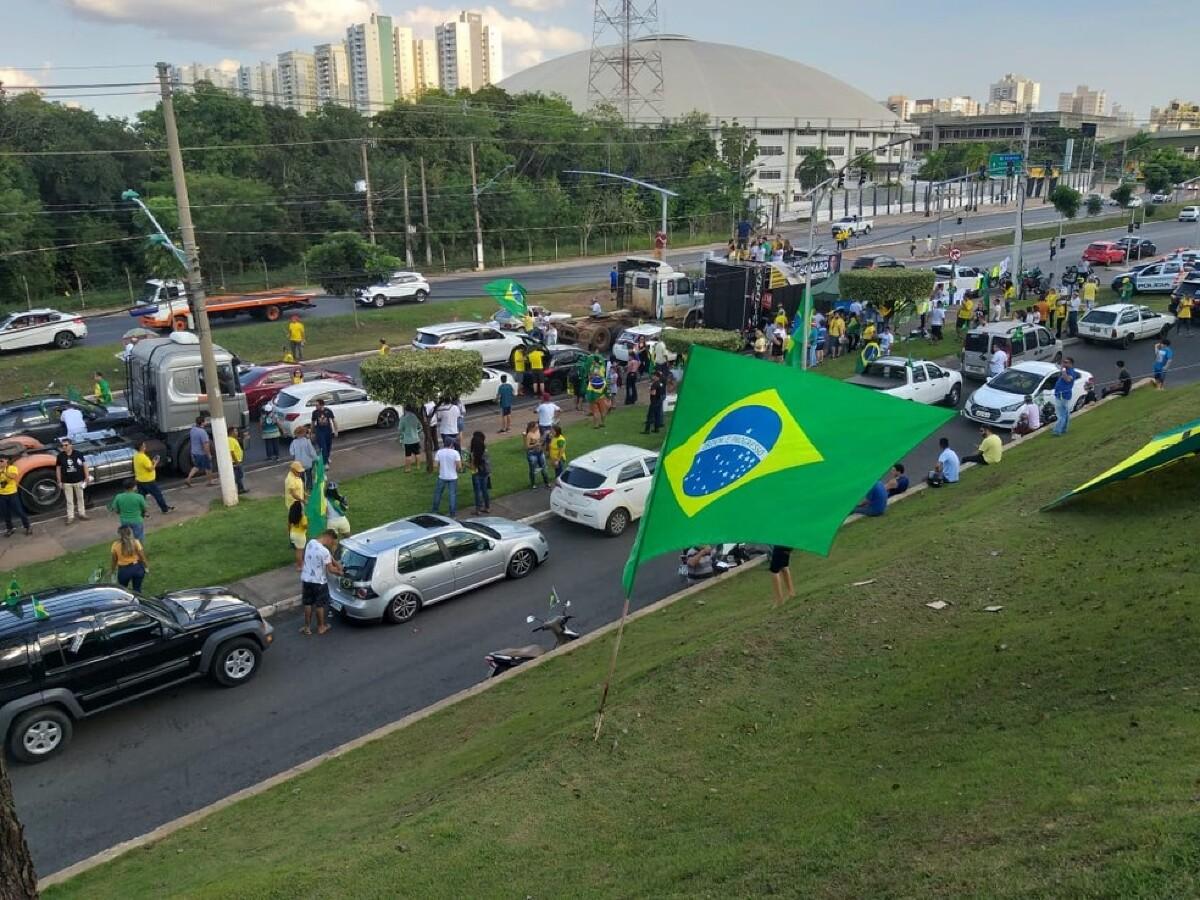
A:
[316,508]
[769,455]
[509,294]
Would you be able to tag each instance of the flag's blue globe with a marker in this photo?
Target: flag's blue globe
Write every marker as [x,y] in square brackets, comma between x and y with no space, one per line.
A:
[736,444]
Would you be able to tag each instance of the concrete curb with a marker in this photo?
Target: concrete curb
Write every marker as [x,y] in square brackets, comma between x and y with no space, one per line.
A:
[169,828]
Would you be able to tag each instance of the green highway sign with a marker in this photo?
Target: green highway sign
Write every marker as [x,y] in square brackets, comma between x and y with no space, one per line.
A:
[998,164]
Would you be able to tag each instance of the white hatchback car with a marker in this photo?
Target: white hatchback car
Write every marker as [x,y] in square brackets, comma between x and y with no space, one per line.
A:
[399,287]
[351,407]
[605,489]
[40,328]
[996,403]
[628,339]
[489,341]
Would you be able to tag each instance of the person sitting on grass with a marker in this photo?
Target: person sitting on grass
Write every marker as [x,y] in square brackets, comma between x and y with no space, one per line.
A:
[945,470]
[896,481]
[1029,417]
[1123,385]
[875,503]
[990,449]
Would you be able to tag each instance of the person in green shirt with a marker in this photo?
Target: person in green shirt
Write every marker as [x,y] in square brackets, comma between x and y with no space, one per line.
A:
[102,392]
[410,437]
[130,507]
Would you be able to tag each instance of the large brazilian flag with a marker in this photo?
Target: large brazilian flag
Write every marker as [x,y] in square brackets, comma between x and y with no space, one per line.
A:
[769,454]
[509,294]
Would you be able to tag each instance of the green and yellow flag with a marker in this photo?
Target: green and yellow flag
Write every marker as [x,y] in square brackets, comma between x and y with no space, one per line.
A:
[509,294]
[768,454]
[316,508]
[12,596]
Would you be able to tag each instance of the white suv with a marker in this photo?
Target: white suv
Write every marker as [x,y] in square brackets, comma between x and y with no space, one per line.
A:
[350,405]
[605,489]
[39,328]
[401,286]
[494,345]
[1189,214]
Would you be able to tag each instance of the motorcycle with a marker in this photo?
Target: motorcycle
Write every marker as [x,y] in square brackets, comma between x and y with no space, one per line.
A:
[500,661]
[722,558]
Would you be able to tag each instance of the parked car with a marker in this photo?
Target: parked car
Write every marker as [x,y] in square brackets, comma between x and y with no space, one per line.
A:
[393,571]
[489,341]
[1123,323]
[605,489]
[260,384]
[560,366]
[877,261]
[1104,253]
[997,401]
[1134,202]
[399,287]
[41,328]
[1137,248]
[350,405]
[489,387]
[102,646]
[912,379]
[1161,198]
[1189,214]
[1189,287]
[39,416]
[628,339]
[1021,342]
[1153,278]
[964,278]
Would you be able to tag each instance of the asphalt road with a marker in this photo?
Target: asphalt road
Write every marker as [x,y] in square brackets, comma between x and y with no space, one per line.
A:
[136,767]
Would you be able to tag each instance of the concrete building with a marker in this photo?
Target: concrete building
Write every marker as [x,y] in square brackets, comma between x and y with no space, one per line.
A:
[939,129]
[962,106]
[1016,89]
[333,74]
[371,55]
[1001,108]
[1178,115]
[901,105]
[297,81]
[470,53]
[406,63]
[1084,101]
[259,83]
[221,77]
[425,58]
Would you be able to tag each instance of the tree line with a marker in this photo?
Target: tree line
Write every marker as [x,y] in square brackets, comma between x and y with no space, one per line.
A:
[267,184]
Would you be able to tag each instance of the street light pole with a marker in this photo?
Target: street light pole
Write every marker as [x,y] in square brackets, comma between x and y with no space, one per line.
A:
[1021,181]
[666,194]
[478,221]
[208,358]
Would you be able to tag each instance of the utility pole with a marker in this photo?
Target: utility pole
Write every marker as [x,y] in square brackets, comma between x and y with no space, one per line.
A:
[408,257]
[478,221]
[367,187]
[212,382]
[1018,229]
[425,217]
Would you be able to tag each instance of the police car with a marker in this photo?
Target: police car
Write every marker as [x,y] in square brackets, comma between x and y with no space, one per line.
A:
[1156,278]
[1123,323]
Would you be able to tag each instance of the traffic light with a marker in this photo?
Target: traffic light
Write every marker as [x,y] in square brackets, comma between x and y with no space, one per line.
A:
[862,177]
[1008,169]
[959,220]
[982,173]
[842,178]
[1129,228]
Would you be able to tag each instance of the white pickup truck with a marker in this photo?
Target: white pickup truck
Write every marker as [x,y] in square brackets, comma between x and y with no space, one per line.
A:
[912,379]
[854,224]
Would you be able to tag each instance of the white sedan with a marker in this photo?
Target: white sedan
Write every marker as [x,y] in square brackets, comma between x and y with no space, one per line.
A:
[350,405]
[1124,323]
[489,387]
[606,489]
[997,401]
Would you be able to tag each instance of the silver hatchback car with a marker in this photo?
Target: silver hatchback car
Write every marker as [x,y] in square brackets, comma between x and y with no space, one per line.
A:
[394,570]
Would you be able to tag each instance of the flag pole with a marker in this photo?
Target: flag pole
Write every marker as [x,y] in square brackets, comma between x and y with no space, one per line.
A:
[612,668]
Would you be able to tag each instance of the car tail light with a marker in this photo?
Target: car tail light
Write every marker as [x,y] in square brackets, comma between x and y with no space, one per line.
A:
[490,661]
[364,593]
[291,417]
[77,321]
[598,495]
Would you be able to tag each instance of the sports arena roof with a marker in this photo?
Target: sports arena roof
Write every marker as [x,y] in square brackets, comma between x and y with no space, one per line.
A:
[725,82]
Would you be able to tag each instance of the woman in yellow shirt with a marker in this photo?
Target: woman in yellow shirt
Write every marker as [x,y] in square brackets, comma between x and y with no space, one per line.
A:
[128,559]
[558,450]
[1184,316]
[837,328]
[297,531]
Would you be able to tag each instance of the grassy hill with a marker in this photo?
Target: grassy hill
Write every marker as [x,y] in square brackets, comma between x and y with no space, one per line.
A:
[853,744]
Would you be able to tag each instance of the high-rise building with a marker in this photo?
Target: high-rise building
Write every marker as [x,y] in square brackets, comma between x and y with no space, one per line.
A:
[333,74]
[371,51]
[1024,93]
[1084,101]
[425,57]
[222,77]
[962,106]
[297,81]
[1178,115]
[900,105]
[470,53]
[406,63]
[259,83]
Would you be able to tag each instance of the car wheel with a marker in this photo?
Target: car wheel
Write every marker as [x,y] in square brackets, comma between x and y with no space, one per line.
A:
[1079,404]
[1166,331]
[1087,340]
[40,491]
[273,313]
[379,300]
[618,521]
[421,296]
[1058,358]
[954,396]
[64,340]
[402,607]
[235,662]
[522,563]
[389,418]
[1127,340]
[39,734]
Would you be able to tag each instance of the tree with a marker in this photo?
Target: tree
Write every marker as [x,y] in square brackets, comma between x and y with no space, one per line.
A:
[814,167]
[1066,200]
[18,878]
[894,289]
[1094,205]
[934,167]
[345,261]
[1122,193]
[413,379]
[1157,178]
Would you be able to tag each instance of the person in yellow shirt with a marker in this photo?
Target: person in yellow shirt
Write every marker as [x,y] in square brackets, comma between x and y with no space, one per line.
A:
[837,329]
[780,318]
[1183,318]
[1051,310]
[297,375]
[384,349]
[1060,313]
[527,322]
[868,333]
[235,451]
[518,364]
[990,449]
[297,531]
[1089,292]
[1010,294]
[145,473]
[293,485]
[128,559]
[295,332]
[535,359]
[10,500]
[558,450]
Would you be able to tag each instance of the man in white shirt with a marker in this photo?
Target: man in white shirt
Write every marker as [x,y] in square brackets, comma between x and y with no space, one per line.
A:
[449,464]
[551,335]
[945,471]
[72,420]
[885,341]
[937,319]
[547,415]
[314,579]
[1029,417]
[596,310]
[997,363]
[448,415]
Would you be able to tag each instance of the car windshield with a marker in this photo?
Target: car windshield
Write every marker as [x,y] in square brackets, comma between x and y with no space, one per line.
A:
[976,342]
[283,400]
[427,338]
[250,375]
[482,529]
[1097,247]
[357,566]
[579,477]
[886,370]
[165,607]
[149,294]
[1016,381]
[1100,317]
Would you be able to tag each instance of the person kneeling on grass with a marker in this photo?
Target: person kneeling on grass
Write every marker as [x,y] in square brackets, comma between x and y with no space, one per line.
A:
[990,448]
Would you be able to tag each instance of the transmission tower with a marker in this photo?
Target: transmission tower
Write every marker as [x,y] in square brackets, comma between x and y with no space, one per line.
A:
[626,64]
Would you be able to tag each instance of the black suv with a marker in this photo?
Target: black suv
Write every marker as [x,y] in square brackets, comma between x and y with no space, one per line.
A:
[101,646]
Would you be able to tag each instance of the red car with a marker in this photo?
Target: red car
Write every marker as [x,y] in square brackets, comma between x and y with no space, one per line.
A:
[260,384]
[1104,253]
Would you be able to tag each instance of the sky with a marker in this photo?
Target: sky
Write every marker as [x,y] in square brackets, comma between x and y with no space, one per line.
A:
[923,48]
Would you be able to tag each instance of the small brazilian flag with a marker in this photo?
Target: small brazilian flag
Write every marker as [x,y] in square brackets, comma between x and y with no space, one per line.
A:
[769,455]
[12,596]
[509,294]
[39,611]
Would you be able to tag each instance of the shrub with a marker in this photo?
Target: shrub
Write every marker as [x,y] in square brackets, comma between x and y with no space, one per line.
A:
[681,340]
[893,289]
